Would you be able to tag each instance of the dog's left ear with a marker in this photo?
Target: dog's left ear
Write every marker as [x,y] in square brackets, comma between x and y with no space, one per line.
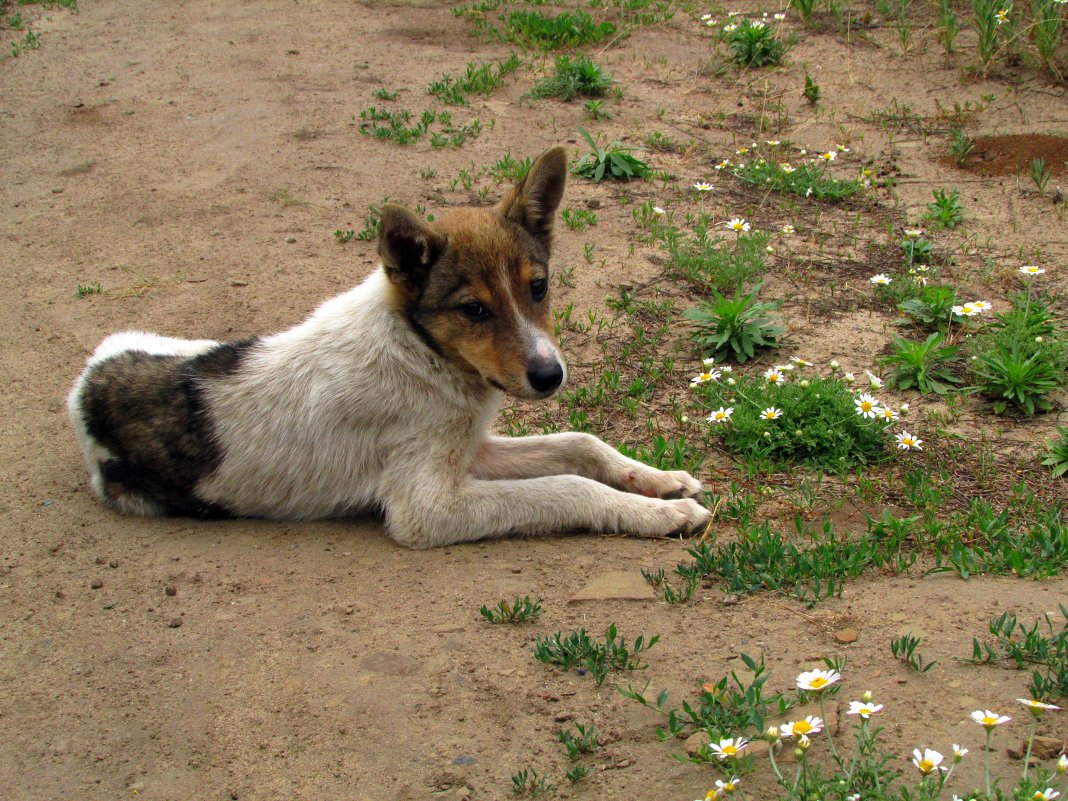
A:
[532,203]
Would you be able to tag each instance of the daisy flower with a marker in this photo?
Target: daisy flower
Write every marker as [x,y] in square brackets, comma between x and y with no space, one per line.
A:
[771,413]
[830,155]
[1062,763]
[873,379]
[887,414]
[706,17]
[1045,795]
[866,405]
[772,142]
[787,229]
[774,376]
[728,748]
[908,442]
[965,310]
[841,148]
[738,225]
[800,362]
[849,378]
[729,28]
[726,369]
[988,720]
[913,233]
[863,708]
[721,415]
[703,186]
[1038,707]
[1002,16]
[882,279]
[705,378]
[659,212]
[927,761]
[801,728]
[781,17]
[1032,269]
[726,787]
[787,168]
[959,752]
[741,151]
[723,164]
[708,361]
[816,681]
[982,305]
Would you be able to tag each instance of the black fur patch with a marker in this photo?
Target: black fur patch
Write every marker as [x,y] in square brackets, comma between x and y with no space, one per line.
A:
[148,411]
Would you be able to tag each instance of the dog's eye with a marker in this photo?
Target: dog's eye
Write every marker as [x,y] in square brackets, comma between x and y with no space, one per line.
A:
[538,288]
[474,310]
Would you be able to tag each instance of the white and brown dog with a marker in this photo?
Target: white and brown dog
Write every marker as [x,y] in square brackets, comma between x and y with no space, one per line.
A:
[379,401]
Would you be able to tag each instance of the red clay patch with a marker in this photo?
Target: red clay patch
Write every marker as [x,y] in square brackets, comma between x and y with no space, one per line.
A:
[1013,153]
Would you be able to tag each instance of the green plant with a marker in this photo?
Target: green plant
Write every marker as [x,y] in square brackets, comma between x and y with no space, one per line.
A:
[804,9]
[806,179]
[659,581]
[478,79]
[573,77]
[521,610]
[904,648]
[1048,22]
[528,783]
[577,773]
[933,307]
[614,161]
[946,210]
[596,110]
[901,22]
[658,141]
[426,173]
[510,169]
[344,236]
[811,90]
[988,18]
[384,94]
[922,364]
[961,145]
[1010,377]
[916,250]
[568,29]
[582,741]
[1056,458]
[1040,173]
[31,41]
[92,288]
[578,219]
[734,328]
[754,44]
[597,657]
[710,261]
[949,25]
[1043,645]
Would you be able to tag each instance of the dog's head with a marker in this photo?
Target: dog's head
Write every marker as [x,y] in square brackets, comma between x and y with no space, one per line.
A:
[475,284]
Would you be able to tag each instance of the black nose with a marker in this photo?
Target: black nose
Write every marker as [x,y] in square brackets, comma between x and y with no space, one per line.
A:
[546,377]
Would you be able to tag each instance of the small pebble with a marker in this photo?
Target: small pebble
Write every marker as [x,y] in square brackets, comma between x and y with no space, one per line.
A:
[176,622]
[96,584]
[171,590]
[113,563]
[291,239]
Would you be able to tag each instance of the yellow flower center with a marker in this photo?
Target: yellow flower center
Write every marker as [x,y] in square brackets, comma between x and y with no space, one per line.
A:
[802,726]
[866,406]
[818,682]
[730,750]
[926,766]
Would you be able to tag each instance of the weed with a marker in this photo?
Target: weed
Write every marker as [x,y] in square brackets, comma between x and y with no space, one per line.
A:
[946,210]
[426,173]
[1048,22]
[1040,173]
[772,421]
[92,288]
[1011,377]
[568,29]
[922,365]
[988,19]
[596,110]
[599,658]
[735,328]
[658,141]
[658,580]
[806,179]
[344,236]
[1043,645]
[1056,457]
[725,708]
[960,145]
[31,41]
[932,308]
[614,161]
[521,610]
[711,262]
[804,9]
[478,79]
[385,94]
[528,783]
[667,454]
[754,44]
[573,77]
[582,741]
[372,223]
[400,128]
[949,25]
[510,169]
[14,21]
[577,773]
[904,648]
[811,90]
[916,250]
[578,219]
[901,22]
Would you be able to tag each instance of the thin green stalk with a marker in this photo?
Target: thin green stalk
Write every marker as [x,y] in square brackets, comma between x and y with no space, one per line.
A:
[774,764]
[830,739]
[1034,718]
[989,733]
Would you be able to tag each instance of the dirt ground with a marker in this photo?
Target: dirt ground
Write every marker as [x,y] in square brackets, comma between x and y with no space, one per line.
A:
[195,159]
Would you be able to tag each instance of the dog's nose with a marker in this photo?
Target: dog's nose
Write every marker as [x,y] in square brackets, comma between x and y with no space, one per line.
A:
[546,376]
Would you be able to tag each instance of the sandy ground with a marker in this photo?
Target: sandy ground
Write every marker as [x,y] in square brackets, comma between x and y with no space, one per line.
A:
[195,158]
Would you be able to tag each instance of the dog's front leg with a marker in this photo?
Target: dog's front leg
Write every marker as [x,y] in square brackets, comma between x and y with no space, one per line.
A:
[425,511]
[580,455]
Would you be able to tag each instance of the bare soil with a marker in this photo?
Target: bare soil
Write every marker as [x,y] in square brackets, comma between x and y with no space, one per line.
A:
[195,159]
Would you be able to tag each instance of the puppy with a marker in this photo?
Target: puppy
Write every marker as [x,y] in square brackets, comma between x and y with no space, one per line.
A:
[379,401]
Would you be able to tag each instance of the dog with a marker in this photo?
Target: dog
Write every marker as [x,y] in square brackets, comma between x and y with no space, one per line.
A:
[380,401]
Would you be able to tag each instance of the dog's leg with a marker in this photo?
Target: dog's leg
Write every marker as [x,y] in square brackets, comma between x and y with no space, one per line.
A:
[422,511]
[581,455]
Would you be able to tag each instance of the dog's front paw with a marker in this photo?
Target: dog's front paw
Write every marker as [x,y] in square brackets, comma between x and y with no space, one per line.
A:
[660,484]
[675,518]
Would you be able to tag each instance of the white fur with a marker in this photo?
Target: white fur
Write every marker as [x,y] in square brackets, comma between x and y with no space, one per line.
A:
[350,411]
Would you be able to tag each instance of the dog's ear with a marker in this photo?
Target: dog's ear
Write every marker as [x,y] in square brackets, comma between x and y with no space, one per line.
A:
[408,246]
[532,203]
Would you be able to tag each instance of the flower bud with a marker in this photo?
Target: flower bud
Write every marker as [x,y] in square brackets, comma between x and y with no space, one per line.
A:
[834,364]
[772,733]
[866,698]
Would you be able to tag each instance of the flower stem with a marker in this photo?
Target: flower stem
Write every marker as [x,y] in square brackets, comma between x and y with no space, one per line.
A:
[989,733]
[1030,742]
[774,764]
[830,738]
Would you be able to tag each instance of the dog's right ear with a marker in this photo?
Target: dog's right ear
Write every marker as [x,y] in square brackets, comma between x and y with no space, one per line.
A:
[408,246]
